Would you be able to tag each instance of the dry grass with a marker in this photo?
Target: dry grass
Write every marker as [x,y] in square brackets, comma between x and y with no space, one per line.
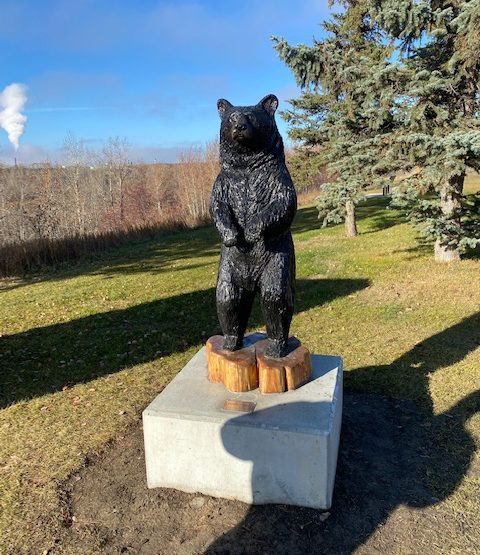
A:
[84,350]
[16,259]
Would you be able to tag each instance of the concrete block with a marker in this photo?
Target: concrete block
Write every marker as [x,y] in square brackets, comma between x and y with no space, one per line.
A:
[284,451]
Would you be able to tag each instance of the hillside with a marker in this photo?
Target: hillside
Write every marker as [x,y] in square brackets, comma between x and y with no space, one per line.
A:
[86,347]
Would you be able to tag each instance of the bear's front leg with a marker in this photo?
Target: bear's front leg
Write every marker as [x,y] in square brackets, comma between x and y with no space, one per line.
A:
[253,231]
[224,223]
[276,218]
[222,215]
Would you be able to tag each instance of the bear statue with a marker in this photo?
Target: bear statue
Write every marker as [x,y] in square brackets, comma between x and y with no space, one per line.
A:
[253,204]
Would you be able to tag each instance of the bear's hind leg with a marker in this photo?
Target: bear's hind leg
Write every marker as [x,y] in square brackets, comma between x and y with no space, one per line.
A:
[277,293]
[234,305]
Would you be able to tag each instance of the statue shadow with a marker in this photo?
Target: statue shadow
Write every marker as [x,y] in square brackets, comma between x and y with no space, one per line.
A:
[46,359]
[392,454]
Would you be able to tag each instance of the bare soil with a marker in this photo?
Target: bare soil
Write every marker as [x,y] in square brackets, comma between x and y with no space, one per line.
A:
[381,501]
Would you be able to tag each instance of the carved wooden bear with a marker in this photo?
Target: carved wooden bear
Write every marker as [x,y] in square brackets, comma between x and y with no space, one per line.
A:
[253,204]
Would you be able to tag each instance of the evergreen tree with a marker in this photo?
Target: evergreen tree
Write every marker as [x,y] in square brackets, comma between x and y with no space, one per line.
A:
[439,44]
[307,168]
[346,109]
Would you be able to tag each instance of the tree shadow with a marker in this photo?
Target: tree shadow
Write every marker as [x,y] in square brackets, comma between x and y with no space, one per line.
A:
[379,214]
[472,253]
[392,453]
[306,219]
[374,209]
[419,250]
[157,253]
[381,221]
[153,255]
[43,360]
[425,248]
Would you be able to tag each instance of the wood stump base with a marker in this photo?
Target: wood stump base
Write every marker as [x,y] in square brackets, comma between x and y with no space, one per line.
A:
[282,374]
[249,368]
[237,370]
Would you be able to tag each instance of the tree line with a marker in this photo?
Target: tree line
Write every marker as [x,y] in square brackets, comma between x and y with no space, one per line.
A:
[53,212]
[90,200]
[391,95]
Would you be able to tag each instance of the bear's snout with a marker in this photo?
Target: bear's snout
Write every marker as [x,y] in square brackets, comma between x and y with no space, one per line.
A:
[239,122]
[240,128]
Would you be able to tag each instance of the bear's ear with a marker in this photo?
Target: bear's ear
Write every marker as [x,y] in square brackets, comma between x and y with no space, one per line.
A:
[269,103]
[222,106]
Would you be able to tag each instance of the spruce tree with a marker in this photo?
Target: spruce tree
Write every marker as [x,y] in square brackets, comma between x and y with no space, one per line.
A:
[439,44]
[346,109]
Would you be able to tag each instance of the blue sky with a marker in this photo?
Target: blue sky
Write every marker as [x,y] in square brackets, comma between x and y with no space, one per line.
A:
[150,71]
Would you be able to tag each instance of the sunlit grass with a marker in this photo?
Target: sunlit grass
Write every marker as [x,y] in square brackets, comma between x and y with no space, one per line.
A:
[86,347]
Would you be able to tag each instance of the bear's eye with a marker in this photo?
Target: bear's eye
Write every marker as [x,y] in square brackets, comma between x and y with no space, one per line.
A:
[234,117]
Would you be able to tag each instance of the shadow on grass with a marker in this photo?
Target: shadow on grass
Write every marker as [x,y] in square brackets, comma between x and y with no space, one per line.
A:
[151,255]
[380,217]
[374,209]
[472,254]
[43,360]
[392,454]
[306,219]
[157,255]
[425,248]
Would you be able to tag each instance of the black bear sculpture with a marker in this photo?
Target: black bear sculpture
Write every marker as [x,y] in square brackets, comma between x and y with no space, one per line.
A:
[253,204]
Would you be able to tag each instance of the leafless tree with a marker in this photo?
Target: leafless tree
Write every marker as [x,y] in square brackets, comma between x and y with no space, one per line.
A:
[118,169]
[94,195]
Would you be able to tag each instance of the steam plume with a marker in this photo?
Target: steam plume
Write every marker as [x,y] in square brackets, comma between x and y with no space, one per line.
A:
[12,101]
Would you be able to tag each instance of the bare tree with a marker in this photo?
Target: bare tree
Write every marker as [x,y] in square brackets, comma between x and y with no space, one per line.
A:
[76,161]
[92,198]
[118,169]
[196,173]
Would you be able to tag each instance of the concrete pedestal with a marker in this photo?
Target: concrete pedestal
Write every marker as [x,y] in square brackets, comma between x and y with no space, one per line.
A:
[283,451]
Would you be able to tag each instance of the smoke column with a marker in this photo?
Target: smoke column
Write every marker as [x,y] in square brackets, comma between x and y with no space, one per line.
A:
[12,101]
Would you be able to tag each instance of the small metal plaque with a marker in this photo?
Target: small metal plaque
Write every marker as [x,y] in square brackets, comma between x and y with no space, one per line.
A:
[236,405]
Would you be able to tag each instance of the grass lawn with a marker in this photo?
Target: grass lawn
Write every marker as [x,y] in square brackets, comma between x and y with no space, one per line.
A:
[472,183]
[84,349]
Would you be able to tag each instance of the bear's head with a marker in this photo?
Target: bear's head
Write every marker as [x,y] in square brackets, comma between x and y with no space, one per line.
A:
[248,128]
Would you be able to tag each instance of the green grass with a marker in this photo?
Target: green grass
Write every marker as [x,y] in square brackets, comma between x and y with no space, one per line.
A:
[84,349]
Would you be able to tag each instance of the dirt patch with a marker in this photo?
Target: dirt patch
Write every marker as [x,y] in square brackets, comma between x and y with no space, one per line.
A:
[381,501]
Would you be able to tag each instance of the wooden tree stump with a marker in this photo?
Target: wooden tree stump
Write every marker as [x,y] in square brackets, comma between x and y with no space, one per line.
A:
[237,370]
[249,368]
[277,375]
